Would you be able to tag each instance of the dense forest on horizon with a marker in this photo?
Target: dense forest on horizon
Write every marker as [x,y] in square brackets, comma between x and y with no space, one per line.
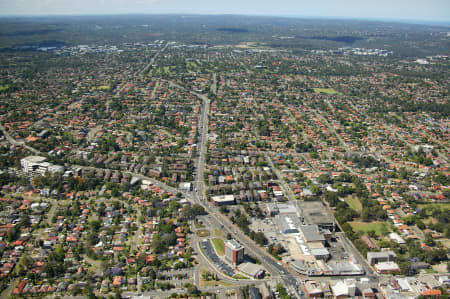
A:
[296,34]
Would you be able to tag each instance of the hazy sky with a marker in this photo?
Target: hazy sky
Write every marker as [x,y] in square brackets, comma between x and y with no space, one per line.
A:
[438,10]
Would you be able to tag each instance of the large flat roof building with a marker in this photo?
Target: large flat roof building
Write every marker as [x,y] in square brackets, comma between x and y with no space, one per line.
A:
[222,200]
[186,186]
[313,289]
[387,267]
[320,253]
[311,234]
[280,209]
[382,256]
[316,212]
[288,224]
[254,270]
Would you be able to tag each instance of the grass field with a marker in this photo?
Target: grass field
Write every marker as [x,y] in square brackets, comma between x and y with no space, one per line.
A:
[203,233]
[239,276]
[441,205]
[359,226]
[161,70]
[103,88]
[211,283]
[199,225]
[354,203]
[326,90]
[192,67]
[219,245]
[445,242]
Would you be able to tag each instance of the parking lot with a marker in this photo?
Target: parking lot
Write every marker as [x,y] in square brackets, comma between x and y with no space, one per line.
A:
[338,251]
[268,227]
[211,254]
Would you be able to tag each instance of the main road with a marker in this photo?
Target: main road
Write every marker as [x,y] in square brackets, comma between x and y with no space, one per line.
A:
[270,263]
[18,143]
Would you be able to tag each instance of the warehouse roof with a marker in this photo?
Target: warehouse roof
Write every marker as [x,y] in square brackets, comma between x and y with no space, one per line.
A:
[311,233]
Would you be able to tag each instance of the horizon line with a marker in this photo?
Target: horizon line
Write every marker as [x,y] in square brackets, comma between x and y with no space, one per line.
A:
[349,18]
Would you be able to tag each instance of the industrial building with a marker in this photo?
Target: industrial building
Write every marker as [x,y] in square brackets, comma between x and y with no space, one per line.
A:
[234,252]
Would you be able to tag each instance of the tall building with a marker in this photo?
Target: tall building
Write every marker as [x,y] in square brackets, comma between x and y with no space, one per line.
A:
[33,164]
[234,252]
[36,165]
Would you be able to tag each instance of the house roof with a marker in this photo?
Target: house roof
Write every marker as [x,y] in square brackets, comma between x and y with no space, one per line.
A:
[432,293]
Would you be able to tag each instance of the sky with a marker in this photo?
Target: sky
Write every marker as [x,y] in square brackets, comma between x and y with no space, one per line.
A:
[429,10]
